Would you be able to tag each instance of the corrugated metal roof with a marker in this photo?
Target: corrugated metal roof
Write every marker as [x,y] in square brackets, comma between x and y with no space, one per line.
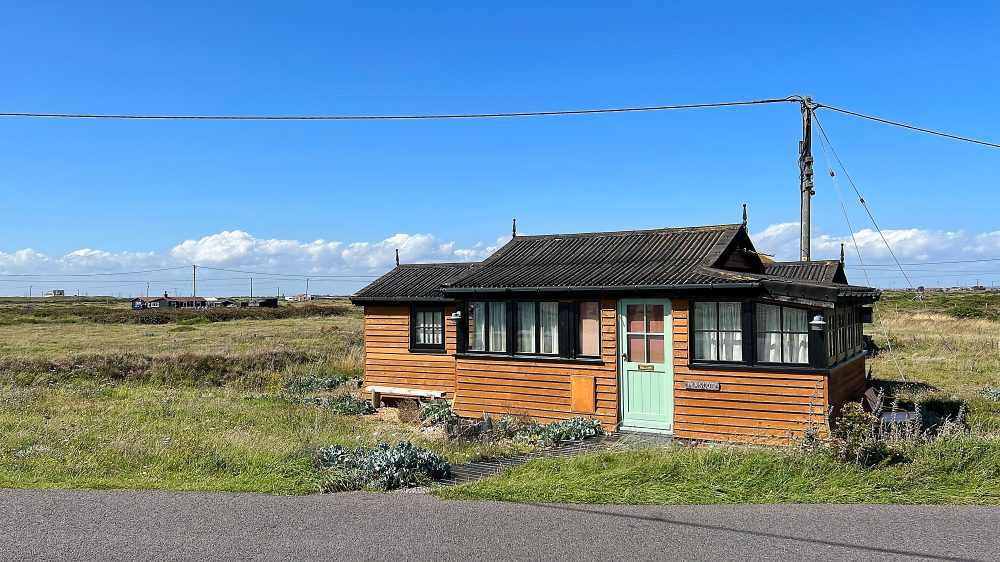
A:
[668,256]
[824,271]
[411,282]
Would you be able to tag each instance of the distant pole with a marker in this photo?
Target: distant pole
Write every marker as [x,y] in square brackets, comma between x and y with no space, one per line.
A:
[805,177]
[307,287]
[278,289]
[251,288]
[29,291]
[147,288]
[194,280]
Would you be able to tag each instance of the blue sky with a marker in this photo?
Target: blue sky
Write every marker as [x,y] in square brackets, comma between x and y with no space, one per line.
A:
[92,196]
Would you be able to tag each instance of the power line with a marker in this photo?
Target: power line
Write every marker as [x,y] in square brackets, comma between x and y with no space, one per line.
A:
[291,276]
[933,262]
[390,117]
[905,126]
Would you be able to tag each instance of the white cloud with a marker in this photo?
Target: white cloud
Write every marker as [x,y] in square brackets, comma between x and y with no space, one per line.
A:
[237,249]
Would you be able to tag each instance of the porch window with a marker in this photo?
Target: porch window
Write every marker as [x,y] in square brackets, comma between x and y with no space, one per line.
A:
[538,327]
[487,327]
[782,334]
[427,328]
[589,314]
[718,331]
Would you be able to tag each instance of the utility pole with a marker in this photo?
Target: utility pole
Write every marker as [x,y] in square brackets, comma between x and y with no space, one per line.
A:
[251,288]
[307,287]
[147,288]
[805,177]
[194,280]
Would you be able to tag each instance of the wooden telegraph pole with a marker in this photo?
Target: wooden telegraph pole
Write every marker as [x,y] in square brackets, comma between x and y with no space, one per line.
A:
[805,177]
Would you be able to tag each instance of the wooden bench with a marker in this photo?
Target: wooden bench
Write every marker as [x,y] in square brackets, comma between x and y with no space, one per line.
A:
[379,391]
[871,404]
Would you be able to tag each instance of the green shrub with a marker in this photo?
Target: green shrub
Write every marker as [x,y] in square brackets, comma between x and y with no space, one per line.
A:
[574,429]
[346,404]
[194,321]
[437,412]
[383,467]
[860,439]
[182,329]
[314,383]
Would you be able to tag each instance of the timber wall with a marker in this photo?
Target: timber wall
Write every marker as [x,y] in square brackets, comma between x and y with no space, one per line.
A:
[543,390]
[388,360]
[847,383]
[750,405]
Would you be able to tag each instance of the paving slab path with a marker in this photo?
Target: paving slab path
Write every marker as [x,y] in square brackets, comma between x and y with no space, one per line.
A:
[144,525]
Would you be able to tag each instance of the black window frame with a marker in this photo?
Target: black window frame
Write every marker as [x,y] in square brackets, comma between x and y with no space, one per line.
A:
[577,318]
[508,322]
[781,331]
[567,341]
[427,347]
[744,330]
[560,351]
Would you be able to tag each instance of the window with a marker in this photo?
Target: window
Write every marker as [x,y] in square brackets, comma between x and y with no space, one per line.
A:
[538,327]
[487,326]
[782,334]
[644,333]
[589,335]
[718,331]
[427,328]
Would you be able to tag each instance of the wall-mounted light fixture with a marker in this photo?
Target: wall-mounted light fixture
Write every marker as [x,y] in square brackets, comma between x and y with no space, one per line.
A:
[817,323]
[455,317]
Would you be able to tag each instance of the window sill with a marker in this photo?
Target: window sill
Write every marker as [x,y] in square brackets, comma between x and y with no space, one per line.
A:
[439,351]
[540,358]
[758,367]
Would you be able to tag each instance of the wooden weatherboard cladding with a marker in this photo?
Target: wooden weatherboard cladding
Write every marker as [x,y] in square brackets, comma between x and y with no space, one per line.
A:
[388,360]
[753,404]
[543,389]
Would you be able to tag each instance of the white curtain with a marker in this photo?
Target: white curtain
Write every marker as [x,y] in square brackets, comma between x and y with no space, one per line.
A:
[706,322]
[769,333]
[526,327]
[498,326]
[477,326]
[549,312]
[730,331]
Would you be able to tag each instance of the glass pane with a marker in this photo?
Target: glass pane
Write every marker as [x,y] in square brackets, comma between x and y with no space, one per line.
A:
[477,326]
[768,318]
[636,348]
[498,326]
[526,327]
[590,328]
[654,318]
[731,346]
[435,321]
[549,313]
[418,327]
[730,316]
[705,316]
[769,347]
[655,344]
[795,320]
[796,348]
[634,319]
[705,346]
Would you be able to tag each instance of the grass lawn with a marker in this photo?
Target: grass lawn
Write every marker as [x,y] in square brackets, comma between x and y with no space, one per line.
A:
[947,347]
[157,437]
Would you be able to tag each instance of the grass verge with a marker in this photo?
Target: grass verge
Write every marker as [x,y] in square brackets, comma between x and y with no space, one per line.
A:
[961,469]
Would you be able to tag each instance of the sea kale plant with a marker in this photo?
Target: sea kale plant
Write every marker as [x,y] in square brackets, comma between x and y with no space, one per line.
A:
[437,412]
[544,435]
[382,467]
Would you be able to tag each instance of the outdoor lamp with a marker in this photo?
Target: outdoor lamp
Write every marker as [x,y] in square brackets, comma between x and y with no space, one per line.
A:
[455,317]
[817,323]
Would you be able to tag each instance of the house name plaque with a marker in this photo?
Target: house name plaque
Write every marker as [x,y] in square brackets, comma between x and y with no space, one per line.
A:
[702,385]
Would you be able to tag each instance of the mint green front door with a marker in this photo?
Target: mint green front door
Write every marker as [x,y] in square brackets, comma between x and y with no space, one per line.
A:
[646,385]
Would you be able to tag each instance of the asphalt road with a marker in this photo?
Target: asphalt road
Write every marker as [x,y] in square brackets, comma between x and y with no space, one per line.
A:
[126,525]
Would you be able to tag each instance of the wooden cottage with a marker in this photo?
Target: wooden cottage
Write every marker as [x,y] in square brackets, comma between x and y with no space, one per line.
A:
[684,331]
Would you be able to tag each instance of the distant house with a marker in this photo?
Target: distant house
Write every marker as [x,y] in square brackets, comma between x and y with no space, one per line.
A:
[167,301]
[55,293]
[269,302]
[300,297]
[682,331]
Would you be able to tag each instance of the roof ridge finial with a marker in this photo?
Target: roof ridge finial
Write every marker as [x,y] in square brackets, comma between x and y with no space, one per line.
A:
[397,257]
[513,228]
[744,214]
[841,254]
